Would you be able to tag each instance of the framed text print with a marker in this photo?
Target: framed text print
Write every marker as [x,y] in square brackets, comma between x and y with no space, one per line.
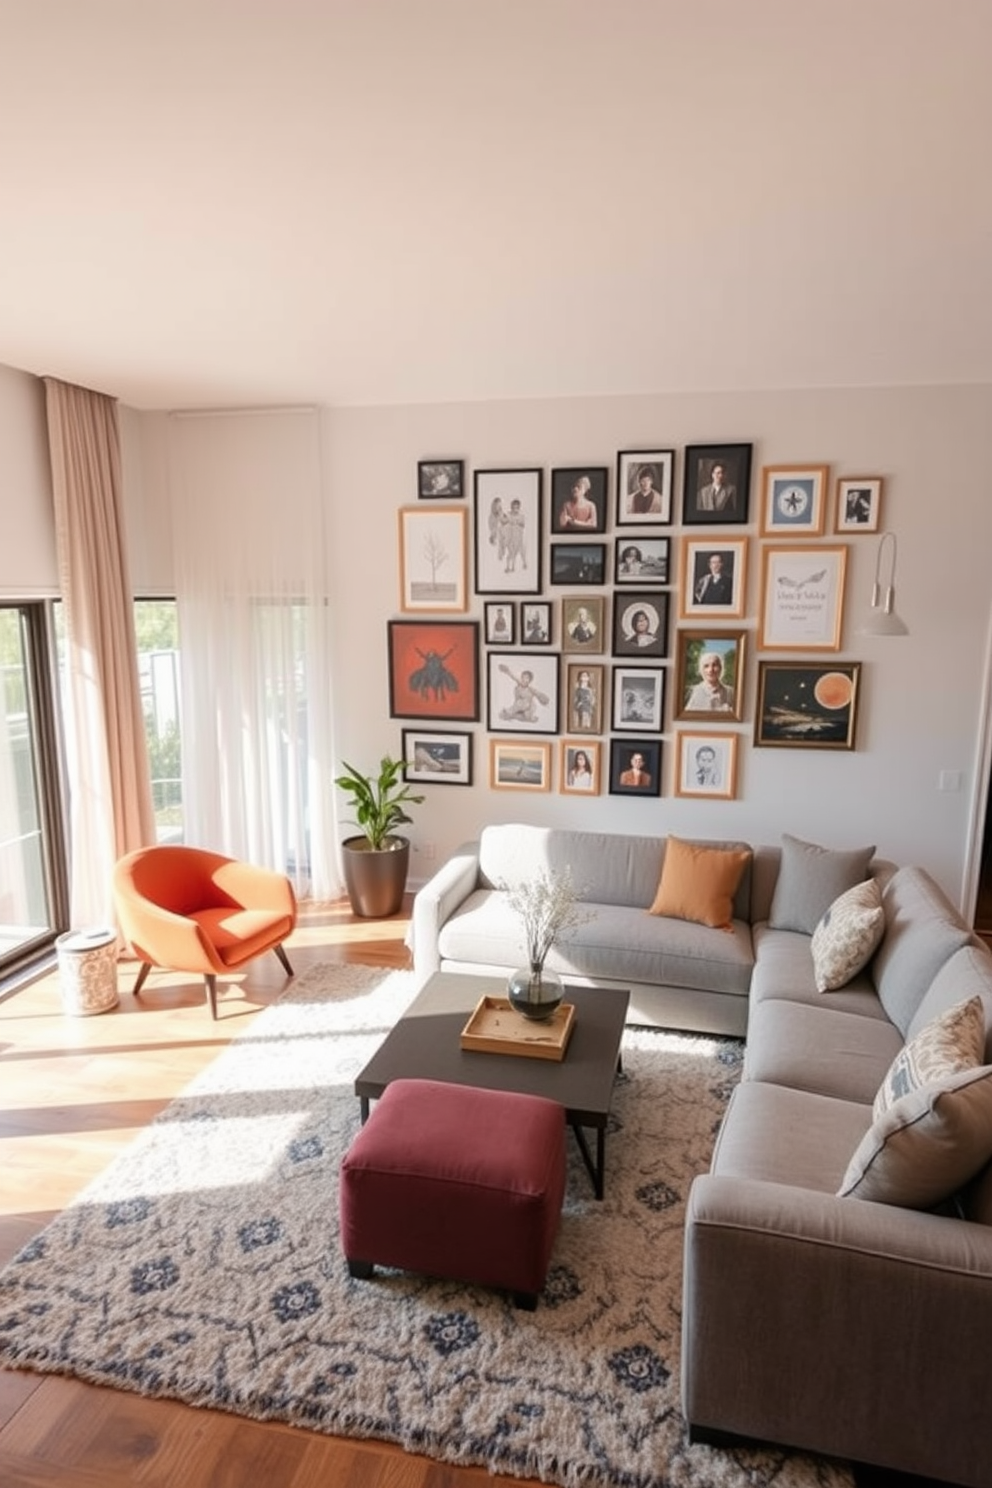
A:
[802,597]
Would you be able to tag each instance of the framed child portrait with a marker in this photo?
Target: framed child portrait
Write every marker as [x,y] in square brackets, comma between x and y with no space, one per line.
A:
[710,674]
[508,531]
[578,500]
[578,770]
[644,487]
[706,765]
[584,697]
[523,692]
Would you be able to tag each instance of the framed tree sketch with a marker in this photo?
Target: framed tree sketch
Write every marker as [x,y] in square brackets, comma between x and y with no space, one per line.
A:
[523,692]
[432,558]
[434,669]
[508,531]
[710,674]
[807,705]
[716,485]
[793,500]
[706,765]
[802,597]
[578,771]
[644,487]
[584,697]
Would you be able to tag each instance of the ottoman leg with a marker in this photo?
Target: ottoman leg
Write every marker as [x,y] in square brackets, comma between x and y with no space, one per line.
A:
[526,1301]
[361,1270]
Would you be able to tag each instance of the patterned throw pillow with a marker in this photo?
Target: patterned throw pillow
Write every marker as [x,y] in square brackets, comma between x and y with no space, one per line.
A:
[951,1043]
[847,936]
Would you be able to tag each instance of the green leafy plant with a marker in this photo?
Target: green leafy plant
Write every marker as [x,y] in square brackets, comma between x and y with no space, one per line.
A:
[379,800]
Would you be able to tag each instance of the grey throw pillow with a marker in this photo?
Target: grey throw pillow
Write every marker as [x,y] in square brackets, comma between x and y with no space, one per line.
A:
[810,878]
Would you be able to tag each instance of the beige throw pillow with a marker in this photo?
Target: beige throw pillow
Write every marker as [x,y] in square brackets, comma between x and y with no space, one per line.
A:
[952,1042]
[847,936]
[699,883]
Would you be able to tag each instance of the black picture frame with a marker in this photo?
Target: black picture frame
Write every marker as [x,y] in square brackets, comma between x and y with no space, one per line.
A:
[578,500]
[508,551]
[807,705]
[500,622]
[638,559]
[522,692]
[536,627]
[622,752]
[577,563]
[440,480]
[437,756]
[702,506]
[630,638]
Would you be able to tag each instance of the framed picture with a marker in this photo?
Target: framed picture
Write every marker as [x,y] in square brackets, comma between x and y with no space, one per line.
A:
[706,765]
[500,623]
[578,563]
[710,674]
[641,560]
[583,623]
[434,669]
[578,499]
[802,598]
[807,707]
[859,499]
[508,531]
[712,578]
[638,698]
[793,500]
[438,479]
[644,487]
[515,764]
[437,759]
[523,692]
[640,624]
[716,485]
[584,697]
[635,767]
[535,622]
[578,769]
[432,558]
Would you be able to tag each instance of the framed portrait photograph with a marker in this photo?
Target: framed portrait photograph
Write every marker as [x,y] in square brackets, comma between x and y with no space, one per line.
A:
[578,563]
[635,767]
[640,623]
[644,487]
[508,534]
[710,674]
[802,597]
[535,622]
[716,485]
[638,699]
[578,767]
[584,697]
[437,759]
[859,500]
[500,619]
[578,499]
[433,558]
[807,707]
[439,479]
[712,578]
[523,692]
[641,560]
[583,623]
[706,765]
[434,669]
[793,500]
[515,764]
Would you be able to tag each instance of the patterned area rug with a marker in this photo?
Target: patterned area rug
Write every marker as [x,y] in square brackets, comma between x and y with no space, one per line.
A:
[204,1265]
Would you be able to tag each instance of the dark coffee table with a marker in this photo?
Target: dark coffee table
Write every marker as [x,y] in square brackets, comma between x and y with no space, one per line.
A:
[424,1045]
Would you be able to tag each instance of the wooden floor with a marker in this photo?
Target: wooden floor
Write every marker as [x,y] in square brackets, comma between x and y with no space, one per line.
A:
[75,1091]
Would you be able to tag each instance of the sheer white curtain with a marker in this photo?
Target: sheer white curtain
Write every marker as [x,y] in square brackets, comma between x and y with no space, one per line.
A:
[248,533]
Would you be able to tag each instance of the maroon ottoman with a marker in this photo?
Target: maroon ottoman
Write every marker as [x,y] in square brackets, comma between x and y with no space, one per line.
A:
[456,1182]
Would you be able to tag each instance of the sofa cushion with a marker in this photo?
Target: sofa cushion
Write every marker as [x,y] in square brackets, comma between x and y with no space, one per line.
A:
[698,883]
[922,932]
[968,973]
[809,879]
[847,936]
[775,1135]
[783,972]
[819,1049]
[927,1145]
[954,1041]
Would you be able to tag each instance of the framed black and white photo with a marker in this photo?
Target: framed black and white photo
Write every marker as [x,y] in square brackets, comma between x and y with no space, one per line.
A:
[583,623]
[711,582]
[635,767]
[706,765]
[638,699]
[710,674]
[584,683]
[437,758]
[433,561]
[523,692]
[641,560]
[640,623]
[500,623]
[535,622]
[578,500]
[859,500]
[578,563]
[716,485]
[578,770]
[508,535]
[793,500]
[644,487]
[439,479]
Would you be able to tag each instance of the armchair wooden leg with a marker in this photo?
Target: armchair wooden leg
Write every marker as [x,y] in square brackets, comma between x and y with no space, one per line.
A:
[283,958]
[211,982]
[145,969]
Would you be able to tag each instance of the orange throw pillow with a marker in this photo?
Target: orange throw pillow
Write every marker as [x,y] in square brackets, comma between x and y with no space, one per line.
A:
[699,883]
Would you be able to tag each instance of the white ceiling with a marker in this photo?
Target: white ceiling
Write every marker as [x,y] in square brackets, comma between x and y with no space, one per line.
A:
[245,202]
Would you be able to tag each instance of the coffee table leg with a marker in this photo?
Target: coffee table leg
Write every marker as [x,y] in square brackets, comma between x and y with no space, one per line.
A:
[597,1169]
[363,1102]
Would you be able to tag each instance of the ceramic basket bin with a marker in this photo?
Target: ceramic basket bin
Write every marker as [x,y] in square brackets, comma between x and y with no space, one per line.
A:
[87,971]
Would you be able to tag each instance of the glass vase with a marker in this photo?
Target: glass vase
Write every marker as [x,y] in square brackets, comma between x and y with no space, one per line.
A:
[536,992]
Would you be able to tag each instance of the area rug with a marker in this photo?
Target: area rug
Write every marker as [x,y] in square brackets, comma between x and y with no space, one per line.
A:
[204,1265]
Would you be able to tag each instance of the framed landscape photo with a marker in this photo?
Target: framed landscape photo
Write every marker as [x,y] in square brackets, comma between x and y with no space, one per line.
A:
[638,699]
[859,500]
[500,623]
[439,479]
[802,597]
[578,769]
[508,534]
[515,764]
[641,560]
[635,767]
[578,500]
[578,563]
[711,583]
[644,487]
[583,623]
[640,623]
[793,500]
[437,758]
[523,692]
[710,674]
[807,706]
[535,622]
[706,765]
[584,697]
[434,669]
[716,485]
[433,558]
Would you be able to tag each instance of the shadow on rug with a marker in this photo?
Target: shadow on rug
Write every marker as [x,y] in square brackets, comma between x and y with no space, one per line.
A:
[204,1265]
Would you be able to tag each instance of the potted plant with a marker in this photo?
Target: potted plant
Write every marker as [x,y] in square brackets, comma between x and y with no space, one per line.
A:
[376,862]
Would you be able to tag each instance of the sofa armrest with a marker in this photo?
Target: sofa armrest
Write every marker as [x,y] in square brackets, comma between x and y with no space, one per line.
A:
[437,902]
[837,1326]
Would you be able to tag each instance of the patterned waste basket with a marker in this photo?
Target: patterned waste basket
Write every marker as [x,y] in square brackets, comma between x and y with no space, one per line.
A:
[88,971]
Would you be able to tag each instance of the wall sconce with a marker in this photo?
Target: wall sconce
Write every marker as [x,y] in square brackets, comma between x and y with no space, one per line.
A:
[882,619]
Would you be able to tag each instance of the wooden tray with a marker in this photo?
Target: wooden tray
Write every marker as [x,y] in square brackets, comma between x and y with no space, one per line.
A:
[497,1028]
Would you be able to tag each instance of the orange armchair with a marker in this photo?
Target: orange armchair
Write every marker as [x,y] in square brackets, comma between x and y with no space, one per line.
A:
[191,910]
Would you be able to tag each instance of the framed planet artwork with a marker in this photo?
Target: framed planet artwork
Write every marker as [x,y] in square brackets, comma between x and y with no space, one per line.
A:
[807,707]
